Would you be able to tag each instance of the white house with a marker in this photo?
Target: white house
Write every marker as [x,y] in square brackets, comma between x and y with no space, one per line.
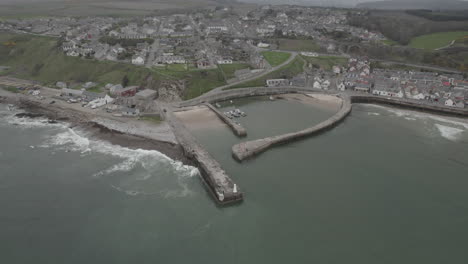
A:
[263,45]
[224,61]
[449,102]
[341,86]
[138,60]
[277,82]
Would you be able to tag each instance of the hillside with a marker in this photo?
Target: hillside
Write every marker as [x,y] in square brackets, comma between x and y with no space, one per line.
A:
[415,4]
[38,58]
[11,8]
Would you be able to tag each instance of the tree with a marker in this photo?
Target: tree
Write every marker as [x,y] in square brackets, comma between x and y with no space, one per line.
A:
[125,81]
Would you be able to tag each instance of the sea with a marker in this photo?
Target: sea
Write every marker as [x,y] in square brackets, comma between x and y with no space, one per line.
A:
[385,186]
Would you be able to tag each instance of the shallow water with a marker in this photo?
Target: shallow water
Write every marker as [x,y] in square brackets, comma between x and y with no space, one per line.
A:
[385,186]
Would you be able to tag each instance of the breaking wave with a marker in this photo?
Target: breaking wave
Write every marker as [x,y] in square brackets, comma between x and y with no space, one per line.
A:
[142,169]
[449,128]
[450,133]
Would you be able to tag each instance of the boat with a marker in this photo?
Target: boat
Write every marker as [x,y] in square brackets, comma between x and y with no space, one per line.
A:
[272,98]
[218,105]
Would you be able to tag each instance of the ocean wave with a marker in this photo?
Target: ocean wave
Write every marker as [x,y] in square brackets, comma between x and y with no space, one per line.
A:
[149,164]
[152,163]
[450,133]
[10,118]
[413,115]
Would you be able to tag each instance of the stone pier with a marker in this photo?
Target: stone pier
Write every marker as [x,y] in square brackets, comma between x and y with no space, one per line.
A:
[223,189]
[236,128]
[249,149]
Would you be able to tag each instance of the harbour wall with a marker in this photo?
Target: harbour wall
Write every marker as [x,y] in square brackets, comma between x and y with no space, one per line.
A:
[236,128]
[243,92]
[220,185]
[410,104]
[252,148]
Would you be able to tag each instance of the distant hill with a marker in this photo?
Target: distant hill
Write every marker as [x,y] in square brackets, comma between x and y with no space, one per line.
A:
[415,4]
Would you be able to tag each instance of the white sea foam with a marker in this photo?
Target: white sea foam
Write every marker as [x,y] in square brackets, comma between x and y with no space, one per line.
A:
[374,114]
[152,162]
[449,128]
[450,133]
[10,118]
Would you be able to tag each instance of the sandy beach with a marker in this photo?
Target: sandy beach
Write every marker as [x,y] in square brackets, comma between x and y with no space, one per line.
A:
[325,101]
[199,117]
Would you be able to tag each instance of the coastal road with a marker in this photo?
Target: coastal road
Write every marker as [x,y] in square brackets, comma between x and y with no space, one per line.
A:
[264,73]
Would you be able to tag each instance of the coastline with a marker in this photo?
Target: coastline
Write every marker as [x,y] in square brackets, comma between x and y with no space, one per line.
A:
[99,131]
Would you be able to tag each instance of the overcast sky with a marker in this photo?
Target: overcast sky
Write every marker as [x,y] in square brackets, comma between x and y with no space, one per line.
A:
[305,2]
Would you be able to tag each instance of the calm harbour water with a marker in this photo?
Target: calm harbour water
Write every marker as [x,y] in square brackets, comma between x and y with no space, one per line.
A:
[385,186]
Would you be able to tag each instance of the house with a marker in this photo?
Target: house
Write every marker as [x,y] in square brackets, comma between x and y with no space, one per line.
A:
[362,87]
[263,45]
[138,60]
[126,92]
[73,53]
[224,61]
[203,64]
[277,82]
[341,86]
[309,54]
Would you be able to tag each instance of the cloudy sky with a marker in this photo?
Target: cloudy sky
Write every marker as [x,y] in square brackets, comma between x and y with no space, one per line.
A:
[304,2]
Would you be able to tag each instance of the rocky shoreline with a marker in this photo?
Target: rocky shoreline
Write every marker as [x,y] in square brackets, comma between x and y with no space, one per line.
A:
[33,109]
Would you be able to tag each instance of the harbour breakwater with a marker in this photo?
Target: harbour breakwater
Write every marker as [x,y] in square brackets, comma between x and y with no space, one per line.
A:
[220,185]
[249,149]
[235,127]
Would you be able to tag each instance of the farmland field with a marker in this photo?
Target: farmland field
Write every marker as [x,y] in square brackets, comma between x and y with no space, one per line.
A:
[436,40]
[275,58]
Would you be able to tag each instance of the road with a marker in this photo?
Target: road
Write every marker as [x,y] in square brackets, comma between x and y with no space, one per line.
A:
[264,73]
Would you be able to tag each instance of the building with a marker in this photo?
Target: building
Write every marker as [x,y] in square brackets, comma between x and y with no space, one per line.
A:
[138,60]
[362,87]
[224,61]
[126,92]
[277,82]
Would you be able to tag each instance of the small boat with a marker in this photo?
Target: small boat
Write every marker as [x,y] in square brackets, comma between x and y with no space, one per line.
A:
[218,105]
[272,98]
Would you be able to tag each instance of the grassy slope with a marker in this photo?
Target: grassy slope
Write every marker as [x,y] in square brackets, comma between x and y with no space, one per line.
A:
[37,58]
[288,71]
[229,69]
[275,58]
[326,62]
[436,40]
[298,45]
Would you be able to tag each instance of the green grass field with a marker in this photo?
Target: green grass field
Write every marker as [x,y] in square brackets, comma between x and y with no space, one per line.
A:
[288,71]
[436,40]
[297,45]
[229,69]
[275,58]
[326,62]
[38,58]
[389,42]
